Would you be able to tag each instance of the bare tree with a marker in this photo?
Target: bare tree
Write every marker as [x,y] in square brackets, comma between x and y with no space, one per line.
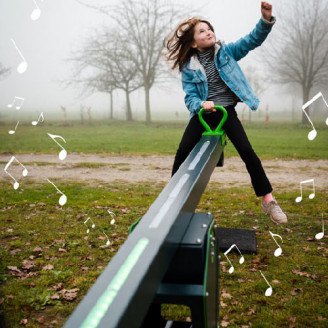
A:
[104,65]
[3,71]
[143,26]
[64,111]
[82,113]
[89,83]
[89,113]
[298,54]
[256,81]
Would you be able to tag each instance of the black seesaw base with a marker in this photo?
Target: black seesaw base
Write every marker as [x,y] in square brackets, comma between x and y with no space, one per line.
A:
[193,276]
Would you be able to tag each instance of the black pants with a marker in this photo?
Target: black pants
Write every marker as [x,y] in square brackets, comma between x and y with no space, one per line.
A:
[237,136]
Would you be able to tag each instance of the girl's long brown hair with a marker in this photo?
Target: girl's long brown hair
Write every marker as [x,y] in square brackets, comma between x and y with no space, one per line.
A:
[179,44]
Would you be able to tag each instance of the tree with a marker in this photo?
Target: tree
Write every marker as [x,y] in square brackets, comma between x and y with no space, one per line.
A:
[255,81]
[3,70]
[102,66]
[298,54]
[143,26]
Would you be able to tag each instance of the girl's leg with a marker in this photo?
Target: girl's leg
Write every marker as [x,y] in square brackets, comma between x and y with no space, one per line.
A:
[268,198]
[238,137]
[260,182]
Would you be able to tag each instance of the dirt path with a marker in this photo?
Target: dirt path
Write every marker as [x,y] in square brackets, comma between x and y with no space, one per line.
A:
[94,168]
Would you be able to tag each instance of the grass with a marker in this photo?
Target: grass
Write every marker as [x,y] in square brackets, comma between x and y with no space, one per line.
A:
[37,232]
[37,229]
[272,140]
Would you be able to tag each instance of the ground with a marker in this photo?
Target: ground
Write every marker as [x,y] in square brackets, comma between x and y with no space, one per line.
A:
[94,168]
[44,246]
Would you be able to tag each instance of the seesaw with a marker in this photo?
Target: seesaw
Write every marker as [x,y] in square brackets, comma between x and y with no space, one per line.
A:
[171,255]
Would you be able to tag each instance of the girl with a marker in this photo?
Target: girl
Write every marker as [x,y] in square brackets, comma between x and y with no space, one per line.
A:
[211,76]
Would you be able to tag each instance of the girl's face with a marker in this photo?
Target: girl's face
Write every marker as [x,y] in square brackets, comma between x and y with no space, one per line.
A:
[204,37]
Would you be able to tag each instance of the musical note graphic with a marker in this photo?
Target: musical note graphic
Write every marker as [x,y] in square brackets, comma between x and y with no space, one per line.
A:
[312,134]
[21,68]
[63,198]
[107,242]
[311,196]
[321,234]
[40,119]
[18,107]
[13,131]
[112,215]
[241,260]
[268,292]
[35,15]
[63,153]
[93,225]
[24,173]
[278,251]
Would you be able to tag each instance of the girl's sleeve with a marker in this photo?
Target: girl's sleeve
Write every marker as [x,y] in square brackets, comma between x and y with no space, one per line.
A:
[192,98]
[241,47]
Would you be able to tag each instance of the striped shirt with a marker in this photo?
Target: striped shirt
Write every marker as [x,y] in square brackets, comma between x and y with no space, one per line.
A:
[218,91]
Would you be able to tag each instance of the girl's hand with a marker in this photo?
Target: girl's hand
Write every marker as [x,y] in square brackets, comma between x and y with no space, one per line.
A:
[208,106]
[266,10]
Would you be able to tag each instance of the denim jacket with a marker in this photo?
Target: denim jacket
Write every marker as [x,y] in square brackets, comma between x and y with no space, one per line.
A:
[193,75]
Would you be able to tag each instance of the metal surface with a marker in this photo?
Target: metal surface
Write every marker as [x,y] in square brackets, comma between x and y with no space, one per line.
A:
[211,281]
[188,263]
[124,291]
[191,279]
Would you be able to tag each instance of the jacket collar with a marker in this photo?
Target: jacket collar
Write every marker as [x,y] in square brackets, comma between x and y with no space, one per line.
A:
[196,65]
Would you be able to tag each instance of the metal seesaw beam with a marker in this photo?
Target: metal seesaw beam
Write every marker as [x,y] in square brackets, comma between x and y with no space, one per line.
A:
[122,294]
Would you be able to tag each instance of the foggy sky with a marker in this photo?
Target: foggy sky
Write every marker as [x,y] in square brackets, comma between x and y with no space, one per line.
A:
[48,42]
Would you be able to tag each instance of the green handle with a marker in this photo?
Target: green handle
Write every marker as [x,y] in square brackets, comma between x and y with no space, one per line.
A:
[218,130]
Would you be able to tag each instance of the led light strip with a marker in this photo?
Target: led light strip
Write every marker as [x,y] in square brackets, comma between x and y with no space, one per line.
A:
[106,299]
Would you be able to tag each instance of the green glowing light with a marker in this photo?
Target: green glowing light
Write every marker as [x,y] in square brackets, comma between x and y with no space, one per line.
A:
[106,299]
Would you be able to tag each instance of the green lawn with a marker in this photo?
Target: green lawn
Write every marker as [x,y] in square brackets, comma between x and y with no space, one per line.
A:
[35,229]
[48,261]
[272,140]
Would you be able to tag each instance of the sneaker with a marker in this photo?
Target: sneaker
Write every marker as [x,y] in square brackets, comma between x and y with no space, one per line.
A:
[275,212]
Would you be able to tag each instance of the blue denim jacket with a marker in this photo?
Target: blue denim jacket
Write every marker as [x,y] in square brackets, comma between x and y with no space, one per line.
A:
[193,74]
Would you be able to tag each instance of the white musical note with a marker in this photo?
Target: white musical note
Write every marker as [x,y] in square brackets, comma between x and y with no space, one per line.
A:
[241,260]
[18,107]
[112,215]
[63,153]
[312,134]
[13,131]
[63,198]
[268,292]
[321,234]
[278,251]
[21,68]
[24,173]
[92,226]
[107,242]
[35,15]
[311,196]
[40,119]
[318,95]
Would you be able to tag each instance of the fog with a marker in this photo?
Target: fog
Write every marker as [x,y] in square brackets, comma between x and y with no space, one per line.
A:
[48,42]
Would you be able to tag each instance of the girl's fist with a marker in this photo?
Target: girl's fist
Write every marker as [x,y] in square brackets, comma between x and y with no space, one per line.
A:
[266,10]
